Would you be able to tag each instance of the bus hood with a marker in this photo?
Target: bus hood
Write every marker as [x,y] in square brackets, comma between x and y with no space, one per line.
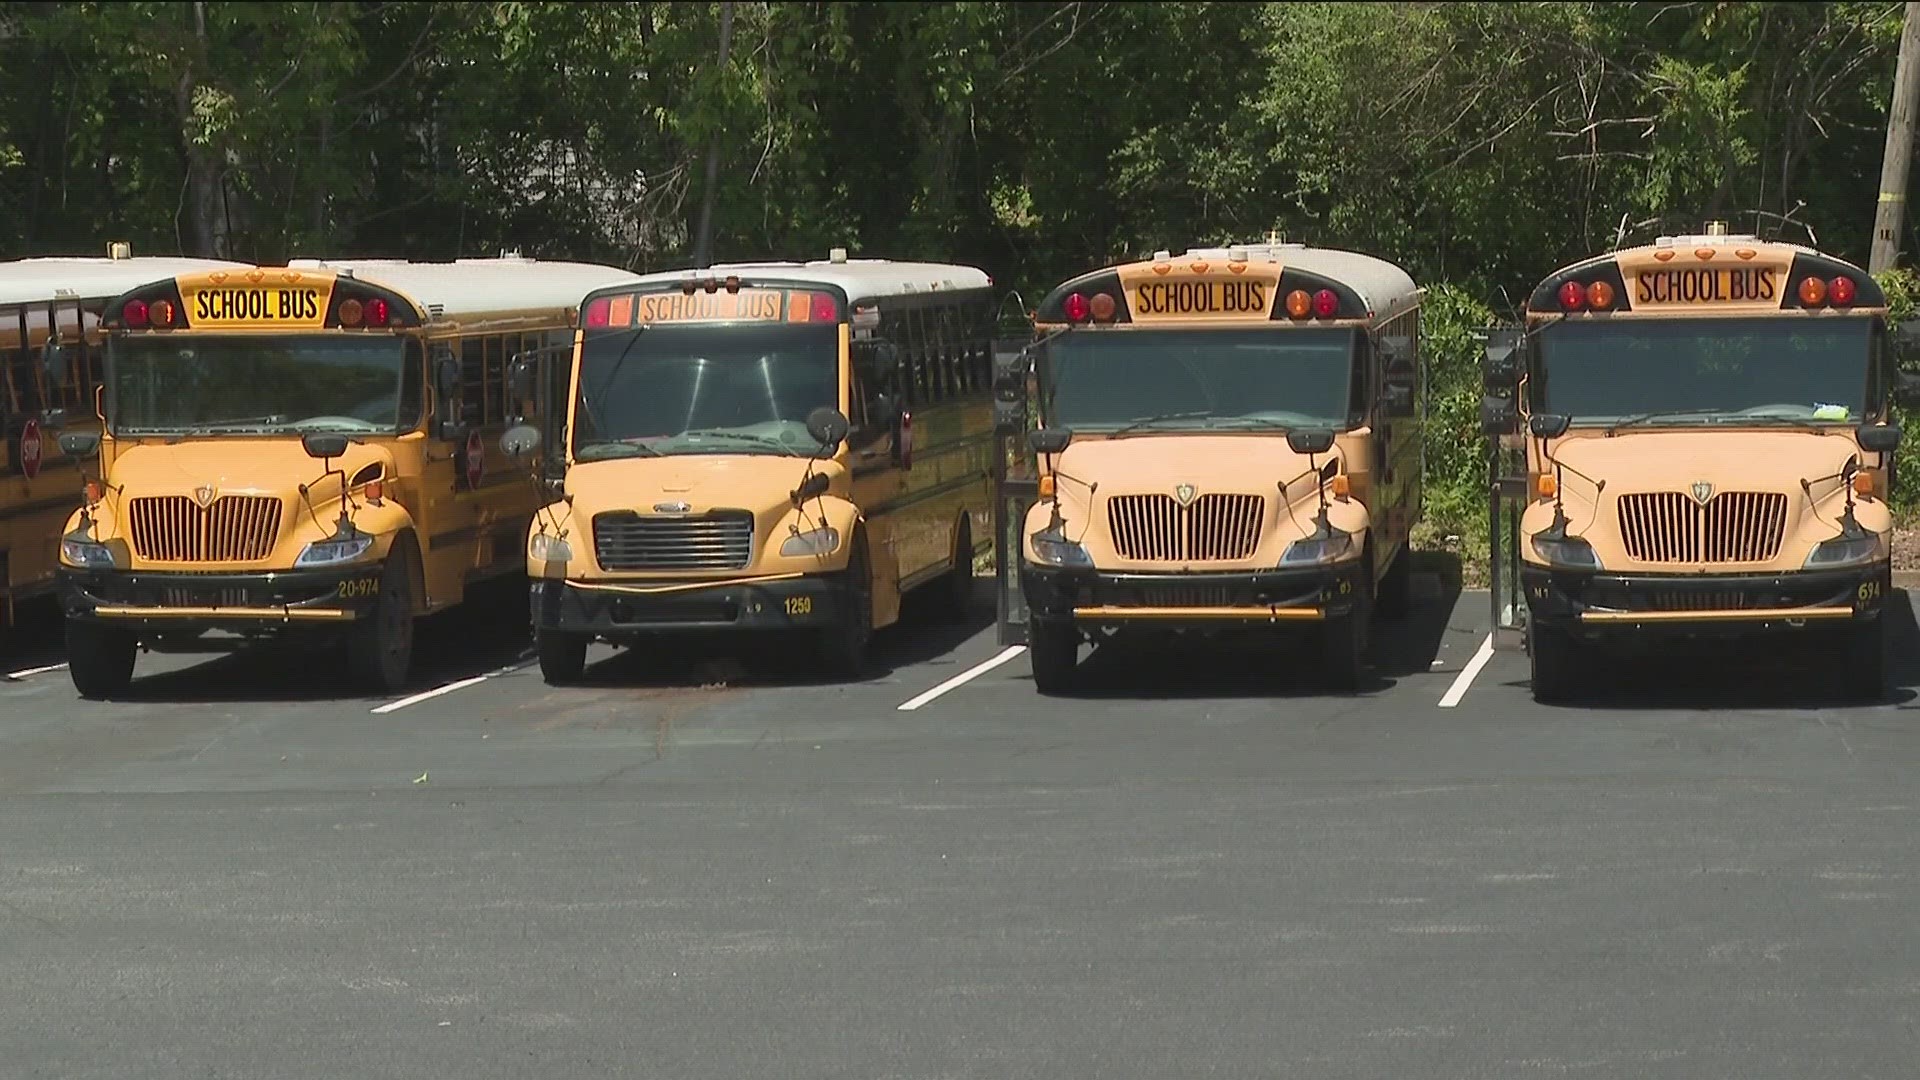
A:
[1728,460]
[232,466]
[1166,465]
[689,483]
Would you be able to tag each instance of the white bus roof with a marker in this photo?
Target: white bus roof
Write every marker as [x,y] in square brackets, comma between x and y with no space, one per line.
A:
[479,286]
[36,281]
[858,278]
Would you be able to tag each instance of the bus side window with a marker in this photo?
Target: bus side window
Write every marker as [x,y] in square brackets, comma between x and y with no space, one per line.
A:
[473,379]
[873,385]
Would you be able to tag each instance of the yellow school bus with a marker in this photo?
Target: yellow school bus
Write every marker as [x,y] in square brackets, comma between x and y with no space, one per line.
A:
[1229,438]
[782,447]
[49,364]
[1690,439]
[305,449]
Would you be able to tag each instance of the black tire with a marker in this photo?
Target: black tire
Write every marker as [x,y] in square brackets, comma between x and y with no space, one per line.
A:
[1053,648]
[1555,658]
[99,658]
[842,647]
[1343,644]
[1864,646]
[563,656]
[380,650]
[955,590]
[1396,588]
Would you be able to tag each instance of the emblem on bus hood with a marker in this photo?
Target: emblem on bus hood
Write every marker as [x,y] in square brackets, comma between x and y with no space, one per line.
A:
[1184,493]
[1702,492]
[671,507]
[204,495]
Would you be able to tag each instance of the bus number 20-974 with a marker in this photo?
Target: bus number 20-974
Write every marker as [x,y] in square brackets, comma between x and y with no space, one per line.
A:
[799,605]
[360,588]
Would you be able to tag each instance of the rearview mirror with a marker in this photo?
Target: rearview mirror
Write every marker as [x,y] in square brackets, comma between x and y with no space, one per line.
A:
[520,377]
[519,441]
[53,361]
[1498,416]
[1906,388]
[323,445]
[1549,425]
[877,361]
[1906,335]
[79,444]
[827,426]
[1500,367]
[1310,442]
[1878,438]
[1049,440]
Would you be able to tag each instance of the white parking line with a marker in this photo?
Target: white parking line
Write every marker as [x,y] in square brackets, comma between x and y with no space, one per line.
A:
[963,678]
[457,684]
[1465,679]
[28,673]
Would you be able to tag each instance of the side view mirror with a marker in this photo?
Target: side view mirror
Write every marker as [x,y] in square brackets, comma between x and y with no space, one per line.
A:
[1311,441]
[1878,438]
[1549,425]
[324,445]
[446,380]
[1049,440]
[828,427]
[79,444]
[1498,416]
[877,361]
[53,361]
[1500,367]
[520,441]
[1906,335]
[520,376]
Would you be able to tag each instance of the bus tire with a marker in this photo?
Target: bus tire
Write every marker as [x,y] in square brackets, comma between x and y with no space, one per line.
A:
[1053,648]
[563,656]
[99,658]
[1343,645]
[1396,588]
[956,588]
[380,648]
[1554,657]
[842,647]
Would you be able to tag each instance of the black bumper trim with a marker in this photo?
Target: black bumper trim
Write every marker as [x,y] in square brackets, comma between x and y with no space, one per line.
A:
[1561,597]
[812,601]
[82,591]
[1054,592]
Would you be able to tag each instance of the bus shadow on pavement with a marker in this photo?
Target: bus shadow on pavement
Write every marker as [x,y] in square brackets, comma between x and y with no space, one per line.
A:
[1279,662]
[1773,672]
[785,659]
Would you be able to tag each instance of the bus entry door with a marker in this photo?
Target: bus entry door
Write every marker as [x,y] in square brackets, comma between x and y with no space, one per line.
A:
[1506,483]
[1015,483]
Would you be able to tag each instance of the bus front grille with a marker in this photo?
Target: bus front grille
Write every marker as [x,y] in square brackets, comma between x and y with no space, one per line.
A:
[233,528]
[1213,528]
[624,540]
[1733,527]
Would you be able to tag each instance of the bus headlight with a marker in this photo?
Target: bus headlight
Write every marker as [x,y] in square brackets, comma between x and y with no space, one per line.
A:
[811,542]
[1331,546]
[1842,551]
[334,550]
[1051,547]
[1567,552]
[548,548]
[86,553]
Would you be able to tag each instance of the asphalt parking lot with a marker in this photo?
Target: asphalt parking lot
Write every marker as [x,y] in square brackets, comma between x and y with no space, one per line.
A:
[718,866]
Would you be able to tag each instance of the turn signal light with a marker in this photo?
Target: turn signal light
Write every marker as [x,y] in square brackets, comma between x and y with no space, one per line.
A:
[1863,482]
[1342,487]
[1046,486]
[1102,306]
[1545,486]
[350,313]
[1299,303]
[376,491]
[1600,296]
[1813,291]
[95,491]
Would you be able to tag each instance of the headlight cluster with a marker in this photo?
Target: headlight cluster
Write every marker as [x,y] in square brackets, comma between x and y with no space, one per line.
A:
[812,542]
[86,553]
[1566,552]
[548,548]
[1843,551]
[1327,545]
[1050,546]
[334,550]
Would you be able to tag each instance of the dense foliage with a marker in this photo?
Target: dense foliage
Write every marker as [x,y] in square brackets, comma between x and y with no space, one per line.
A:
[1480,144]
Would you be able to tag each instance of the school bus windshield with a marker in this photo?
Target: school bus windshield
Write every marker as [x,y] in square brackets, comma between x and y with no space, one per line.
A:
[1203,379]
[709,389]
[258,384]
[1704,371]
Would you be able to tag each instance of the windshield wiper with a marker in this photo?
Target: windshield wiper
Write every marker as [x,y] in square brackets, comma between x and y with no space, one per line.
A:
[1641,418]
[1145,421]
[640,449]
[760,440]
[238,426]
